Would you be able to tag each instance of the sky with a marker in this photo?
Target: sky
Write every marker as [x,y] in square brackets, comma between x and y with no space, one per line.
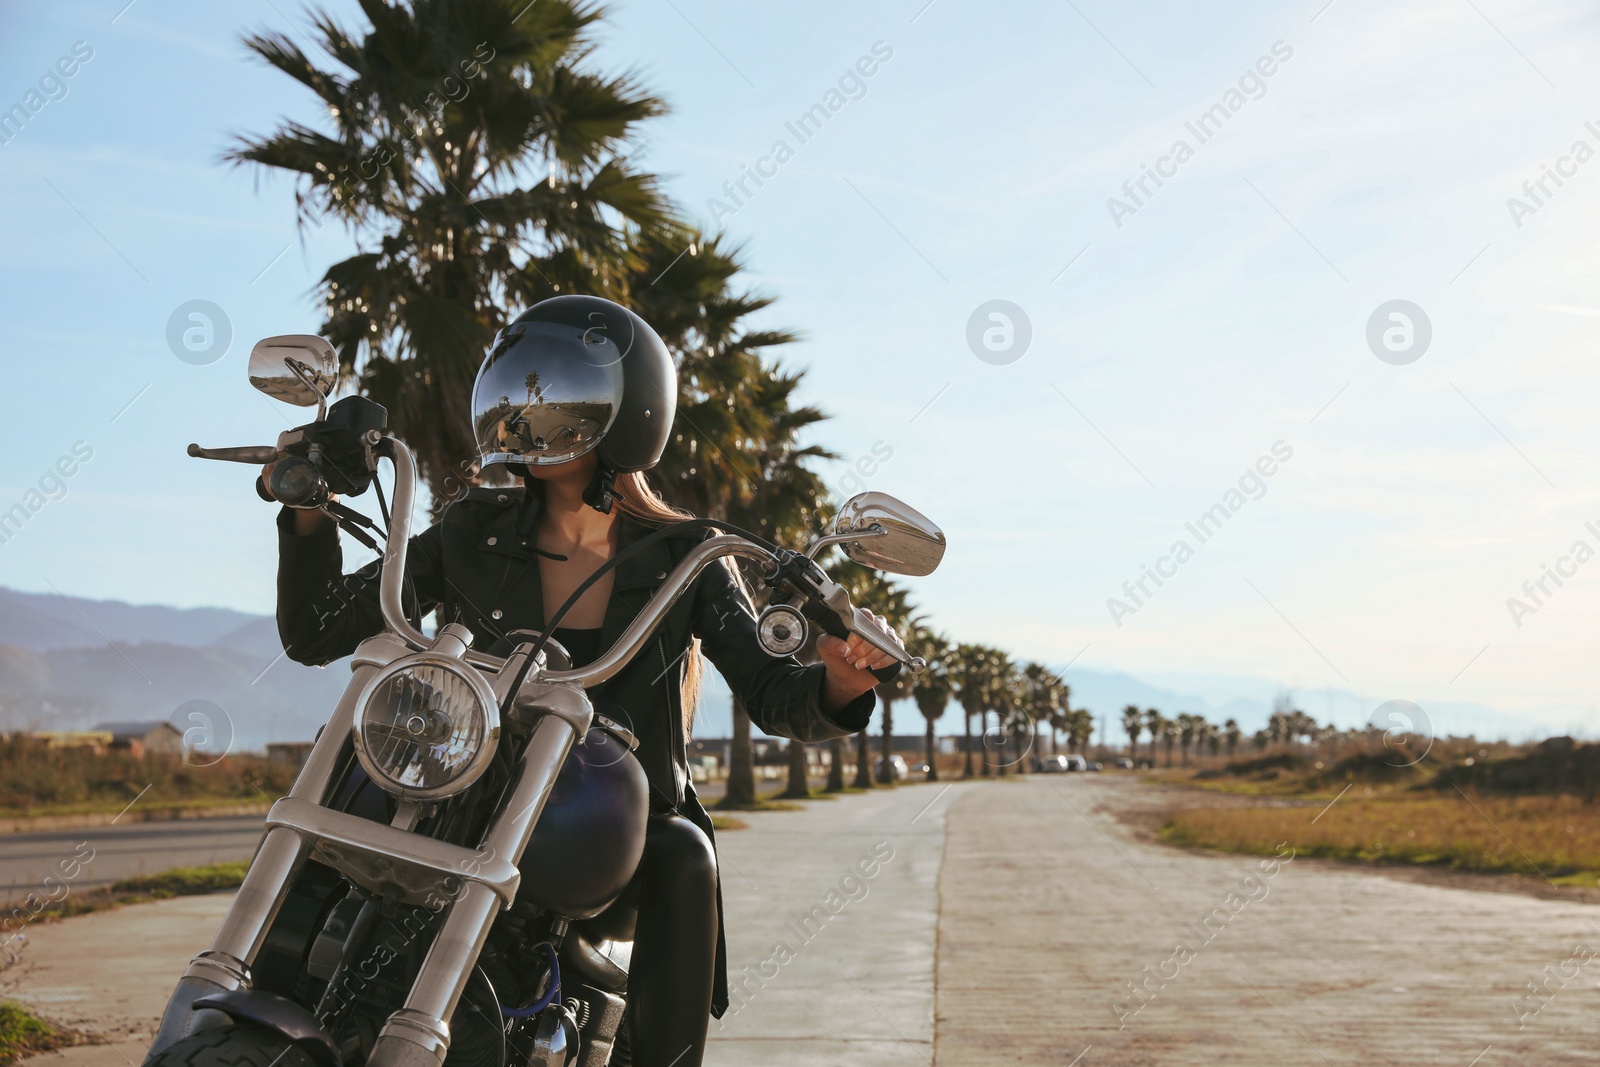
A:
[1384,493]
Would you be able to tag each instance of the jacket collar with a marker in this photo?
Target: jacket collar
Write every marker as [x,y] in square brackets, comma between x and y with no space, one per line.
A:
[515,530]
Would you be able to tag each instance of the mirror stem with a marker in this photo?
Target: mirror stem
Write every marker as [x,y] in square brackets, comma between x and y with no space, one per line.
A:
[303,372]
[852,535]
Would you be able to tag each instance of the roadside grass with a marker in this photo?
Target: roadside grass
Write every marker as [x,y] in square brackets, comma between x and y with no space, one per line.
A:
[36,779]
[185,881]
[1556,837]
[178,882]
[759,804]
[23,1033]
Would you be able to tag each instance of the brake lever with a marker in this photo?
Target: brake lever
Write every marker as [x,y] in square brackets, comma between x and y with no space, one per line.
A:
[256,454]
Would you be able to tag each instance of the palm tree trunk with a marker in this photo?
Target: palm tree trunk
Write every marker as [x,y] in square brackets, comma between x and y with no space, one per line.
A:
[863,761]
[799,787]
[983,744]
[966,745]
[886,774]
[1000,740]
[835,766]
[933,768]
[741,762]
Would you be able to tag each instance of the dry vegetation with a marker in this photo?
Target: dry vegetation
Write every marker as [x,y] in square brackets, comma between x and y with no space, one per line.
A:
[1528,811]
[38,780]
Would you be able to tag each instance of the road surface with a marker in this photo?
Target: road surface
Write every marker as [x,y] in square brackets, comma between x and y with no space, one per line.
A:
[1013,922]
[148,847]
[120,851]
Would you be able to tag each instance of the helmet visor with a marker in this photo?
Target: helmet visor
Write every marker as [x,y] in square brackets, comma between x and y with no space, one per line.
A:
[546,395]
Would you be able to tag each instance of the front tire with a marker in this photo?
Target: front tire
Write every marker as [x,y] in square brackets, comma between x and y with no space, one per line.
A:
[236,1045]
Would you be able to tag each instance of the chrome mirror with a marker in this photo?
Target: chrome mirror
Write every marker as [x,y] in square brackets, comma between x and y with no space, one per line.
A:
[297,368]
[883,533]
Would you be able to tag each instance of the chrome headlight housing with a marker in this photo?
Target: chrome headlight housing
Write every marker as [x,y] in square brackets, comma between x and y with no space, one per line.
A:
[426,726]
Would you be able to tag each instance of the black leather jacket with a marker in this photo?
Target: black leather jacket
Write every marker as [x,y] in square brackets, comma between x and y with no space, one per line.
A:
[477,567]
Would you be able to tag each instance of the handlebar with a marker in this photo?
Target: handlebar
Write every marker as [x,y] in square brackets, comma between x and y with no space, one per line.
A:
[840,620]
[851,619]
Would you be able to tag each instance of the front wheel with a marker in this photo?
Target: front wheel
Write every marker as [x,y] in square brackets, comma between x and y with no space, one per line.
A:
[237,1045]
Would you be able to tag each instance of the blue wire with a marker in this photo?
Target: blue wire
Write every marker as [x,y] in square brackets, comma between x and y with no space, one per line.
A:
[550,996]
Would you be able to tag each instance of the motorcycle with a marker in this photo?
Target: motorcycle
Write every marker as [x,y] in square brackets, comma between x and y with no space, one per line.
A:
[443,882]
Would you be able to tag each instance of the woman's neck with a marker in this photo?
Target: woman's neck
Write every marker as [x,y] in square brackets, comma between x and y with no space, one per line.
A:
[567,520]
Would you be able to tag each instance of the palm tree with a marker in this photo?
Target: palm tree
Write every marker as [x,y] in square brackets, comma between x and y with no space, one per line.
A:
[933,688]
[902,687]
[1059,720]
[735,452]
[1189,727]
[835,766]
[1155,723]
[1080,728]
[1006,702]
[1170,730]
[1045,694]
[1277,728]
[1133,723]
[480,163]
[1231,734]
[971,675]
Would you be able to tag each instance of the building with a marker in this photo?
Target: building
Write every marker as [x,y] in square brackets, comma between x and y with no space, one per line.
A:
[289,753]
[159,738]
[91,739]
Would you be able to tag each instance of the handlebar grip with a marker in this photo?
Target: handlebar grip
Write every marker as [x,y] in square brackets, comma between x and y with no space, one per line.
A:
[889,673]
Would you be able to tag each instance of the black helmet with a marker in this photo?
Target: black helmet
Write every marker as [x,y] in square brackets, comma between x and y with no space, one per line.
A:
[572,374]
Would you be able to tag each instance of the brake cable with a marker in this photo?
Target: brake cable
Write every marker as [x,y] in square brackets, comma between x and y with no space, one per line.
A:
[686,526]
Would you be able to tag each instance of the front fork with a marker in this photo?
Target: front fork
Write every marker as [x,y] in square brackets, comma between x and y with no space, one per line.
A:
[417,1035]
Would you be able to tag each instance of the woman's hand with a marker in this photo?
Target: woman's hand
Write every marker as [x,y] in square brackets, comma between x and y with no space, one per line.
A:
[850,665]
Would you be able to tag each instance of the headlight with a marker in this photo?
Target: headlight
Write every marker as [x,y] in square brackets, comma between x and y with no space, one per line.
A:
[427,726]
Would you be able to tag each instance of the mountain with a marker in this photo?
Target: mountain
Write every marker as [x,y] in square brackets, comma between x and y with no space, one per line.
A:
[43,621]
[1250,700]
[69,664]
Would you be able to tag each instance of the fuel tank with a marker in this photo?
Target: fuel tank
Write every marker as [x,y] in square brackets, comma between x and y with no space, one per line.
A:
[590,836]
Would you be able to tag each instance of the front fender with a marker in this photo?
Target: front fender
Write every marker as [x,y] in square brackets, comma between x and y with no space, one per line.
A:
[277,1013]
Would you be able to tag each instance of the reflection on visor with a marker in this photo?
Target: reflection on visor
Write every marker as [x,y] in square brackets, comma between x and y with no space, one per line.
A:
[555,394]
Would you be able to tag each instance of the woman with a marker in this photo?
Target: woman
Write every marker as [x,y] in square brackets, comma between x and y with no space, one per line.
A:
[577,399]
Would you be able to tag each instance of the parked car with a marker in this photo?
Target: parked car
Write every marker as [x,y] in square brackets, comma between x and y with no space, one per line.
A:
[1124,764]
[920,768]
[1053,765]
[1092,765]
[901,771]
[1076,763]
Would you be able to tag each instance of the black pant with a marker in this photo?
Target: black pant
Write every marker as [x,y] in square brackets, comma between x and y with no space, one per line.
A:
[674,945]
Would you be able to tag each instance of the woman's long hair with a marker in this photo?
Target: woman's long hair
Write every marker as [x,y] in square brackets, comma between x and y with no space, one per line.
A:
[637,499]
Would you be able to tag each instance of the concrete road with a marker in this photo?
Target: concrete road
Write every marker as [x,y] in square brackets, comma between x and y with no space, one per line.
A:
[831,915]
[1021,922]
[1062,935]
[121,851]
[109,974]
